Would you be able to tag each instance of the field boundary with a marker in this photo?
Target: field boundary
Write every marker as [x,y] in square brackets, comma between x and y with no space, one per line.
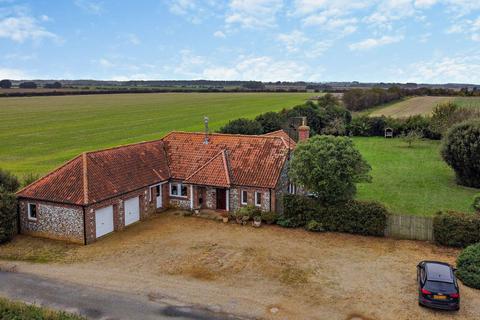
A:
[409,227]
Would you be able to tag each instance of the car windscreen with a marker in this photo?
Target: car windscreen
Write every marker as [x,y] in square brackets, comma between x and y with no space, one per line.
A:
[439,286]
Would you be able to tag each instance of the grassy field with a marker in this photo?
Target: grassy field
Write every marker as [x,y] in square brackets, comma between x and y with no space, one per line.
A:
[39,133]
[21,311]
[421,105]
[411,180]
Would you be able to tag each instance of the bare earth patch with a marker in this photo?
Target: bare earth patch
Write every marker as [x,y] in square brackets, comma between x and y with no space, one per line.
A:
[410,107]
[271,272]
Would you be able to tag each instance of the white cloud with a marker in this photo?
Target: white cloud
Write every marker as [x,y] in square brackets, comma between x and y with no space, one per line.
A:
[106,63]
[182,7]
[317,49]
[374,42]
[292,40]
[195,11]
[262,68]
[90,6]
[14,74]
[253,13]
[21,28]
[45,18]
[425,4]
[460,68]
[132,38]
[219,34]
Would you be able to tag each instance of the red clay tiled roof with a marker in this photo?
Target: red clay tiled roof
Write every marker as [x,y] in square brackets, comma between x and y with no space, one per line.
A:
[213,173]
[282,134]
[99,175]
[253,160]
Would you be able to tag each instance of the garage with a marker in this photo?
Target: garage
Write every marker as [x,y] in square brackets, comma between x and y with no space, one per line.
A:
[132,210]
[104,221]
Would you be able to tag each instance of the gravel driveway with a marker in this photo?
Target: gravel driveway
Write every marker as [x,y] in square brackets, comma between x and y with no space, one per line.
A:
[270,272]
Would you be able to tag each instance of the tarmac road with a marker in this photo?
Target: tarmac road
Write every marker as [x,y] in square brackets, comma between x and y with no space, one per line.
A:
[95,303]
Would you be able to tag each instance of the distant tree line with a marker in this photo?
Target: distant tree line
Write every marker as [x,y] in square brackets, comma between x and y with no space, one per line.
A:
[325,116]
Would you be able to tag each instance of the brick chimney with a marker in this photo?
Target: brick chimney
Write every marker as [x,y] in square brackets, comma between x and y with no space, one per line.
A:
[303,130]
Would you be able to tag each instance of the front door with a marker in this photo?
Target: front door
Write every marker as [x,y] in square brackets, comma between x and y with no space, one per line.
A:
[221,199]
[158,196]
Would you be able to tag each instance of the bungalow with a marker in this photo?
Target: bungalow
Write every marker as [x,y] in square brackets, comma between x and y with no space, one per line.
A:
[103,191]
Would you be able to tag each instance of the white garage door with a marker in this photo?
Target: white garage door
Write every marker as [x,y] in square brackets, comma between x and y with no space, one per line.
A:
[104,221]
[132,210]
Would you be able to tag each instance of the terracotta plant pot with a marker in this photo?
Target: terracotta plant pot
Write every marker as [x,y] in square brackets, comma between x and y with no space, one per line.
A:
[225,219]
[257,224]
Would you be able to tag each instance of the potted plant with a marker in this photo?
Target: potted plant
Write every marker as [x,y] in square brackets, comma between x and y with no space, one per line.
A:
[257,221]
[224,217]
[196,211]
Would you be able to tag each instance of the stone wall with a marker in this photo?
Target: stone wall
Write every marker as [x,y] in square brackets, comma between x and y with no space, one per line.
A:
[211,201]
[281,188]
[55,221]
[235,198]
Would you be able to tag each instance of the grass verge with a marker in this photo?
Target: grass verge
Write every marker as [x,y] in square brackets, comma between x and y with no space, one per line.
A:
[12,310]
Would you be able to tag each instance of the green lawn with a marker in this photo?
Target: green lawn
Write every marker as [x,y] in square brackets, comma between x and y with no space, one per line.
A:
[39,133]
[411,180]
[21,311]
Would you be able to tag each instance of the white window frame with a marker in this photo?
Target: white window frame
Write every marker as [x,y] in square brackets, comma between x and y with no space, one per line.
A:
[257,193]
[29,212]
[242,200]
[292,188]
[150,198]
[179,188]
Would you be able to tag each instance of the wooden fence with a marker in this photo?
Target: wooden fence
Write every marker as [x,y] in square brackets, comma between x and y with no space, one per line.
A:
[409,227]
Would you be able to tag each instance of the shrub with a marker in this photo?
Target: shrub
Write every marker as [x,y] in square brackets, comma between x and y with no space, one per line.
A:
[461,151]
[446,115]
[247,213]
[329,167]
[8,215]
[242,126]
[411,137]
[8,181]
[269,217]
[476,203]
[315,226]
[456,229]
[468,264]
[297,210]
[358,217]
[270,121]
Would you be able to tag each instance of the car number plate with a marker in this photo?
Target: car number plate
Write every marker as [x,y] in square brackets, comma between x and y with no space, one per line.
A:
[439,297]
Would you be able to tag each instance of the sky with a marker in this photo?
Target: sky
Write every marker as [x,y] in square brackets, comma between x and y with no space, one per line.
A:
[423,41]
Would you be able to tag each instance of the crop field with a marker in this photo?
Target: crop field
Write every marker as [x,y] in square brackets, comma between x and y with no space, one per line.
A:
[422,105]
[411,180]
[39,133]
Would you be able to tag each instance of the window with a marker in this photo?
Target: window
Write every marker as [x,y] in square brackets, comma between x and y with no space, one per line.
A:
[32,211]
[292,189]
[244,197]
[178,190]
[258,199]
